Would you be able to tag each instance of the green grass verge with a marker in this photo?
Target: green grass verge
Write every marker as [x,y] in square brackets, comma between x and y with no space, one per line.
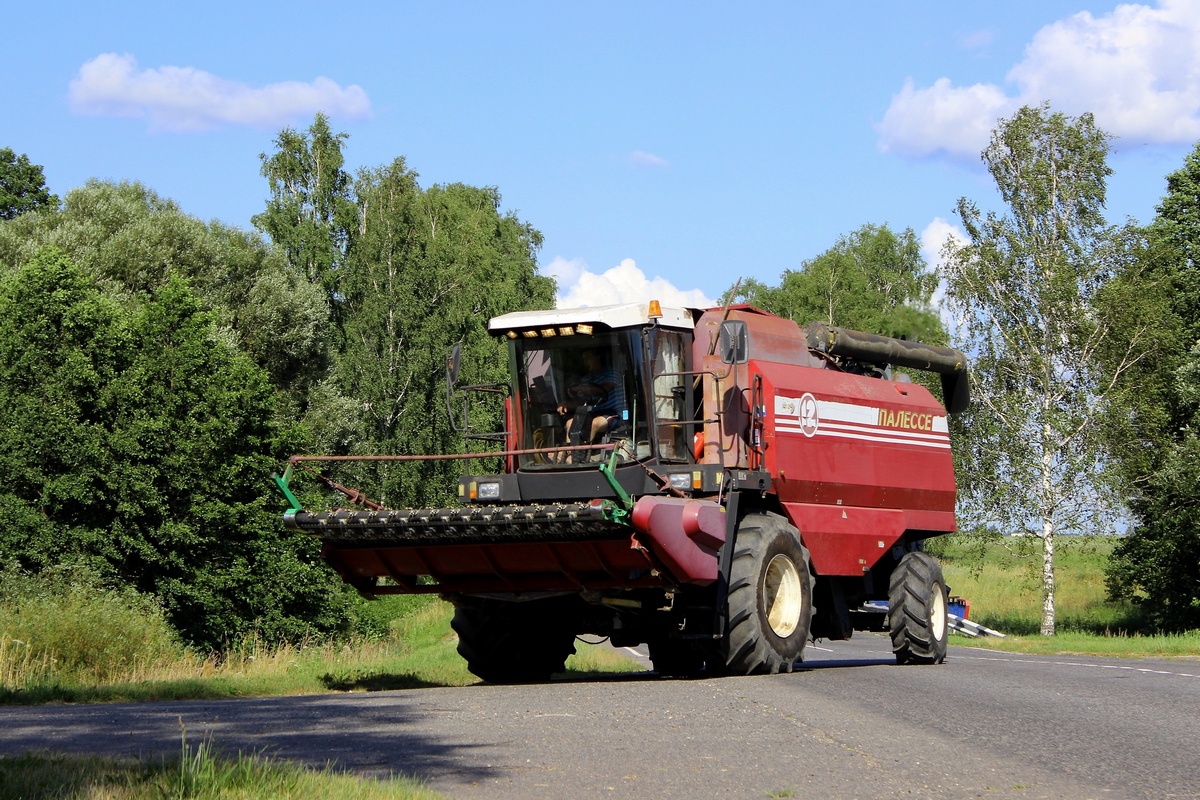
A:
[197,772]
[419,651]
[1184,646]
[1002,581]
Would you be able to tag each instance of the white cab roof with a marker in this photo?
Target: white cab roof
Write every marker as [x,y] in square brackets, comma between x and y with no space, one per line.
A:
[623,316]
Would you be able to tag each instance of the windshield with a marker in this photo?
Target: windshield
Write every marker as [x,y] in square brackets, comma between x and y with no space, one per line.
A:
[580,390]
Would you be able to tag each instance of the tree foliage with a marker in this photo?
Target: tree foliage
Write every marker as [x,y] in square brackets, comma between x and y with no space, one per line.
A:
[1155,424]
[154,370]
[1026,290]
[427,269]
[872,280]
[132,240]
[22,185]
[137,440]
[416,272]
[311,214]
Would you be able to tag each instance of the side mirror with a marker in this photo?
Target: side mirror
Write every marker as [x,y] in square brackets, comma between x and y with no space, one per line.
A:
[734,342]
[452,366]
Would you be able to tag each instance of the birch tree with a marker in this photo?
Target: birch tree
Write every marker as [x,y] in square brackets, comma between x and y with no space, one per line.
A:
[1024,292]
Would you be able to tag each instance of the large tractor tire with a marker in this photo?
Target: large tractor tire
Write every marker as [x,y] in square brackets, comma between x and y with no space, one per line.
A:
[513,642]
[770,600]
[917,610]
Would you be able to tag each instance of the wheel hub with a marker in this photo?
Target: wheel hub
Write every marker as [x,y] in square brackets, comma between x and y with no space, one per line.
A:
[783,596]
[938,610]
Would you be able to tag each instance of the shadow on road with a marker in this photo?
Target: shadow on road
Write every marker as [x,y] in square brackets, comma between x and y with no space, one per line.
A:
[809,666]
[374,681]
[386,734]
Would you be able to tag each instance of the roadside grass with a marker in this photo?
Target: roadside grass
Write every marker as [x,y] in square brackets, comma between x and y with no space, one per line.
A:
[199,772]
[1002,581]
[1182,646]
[37,666]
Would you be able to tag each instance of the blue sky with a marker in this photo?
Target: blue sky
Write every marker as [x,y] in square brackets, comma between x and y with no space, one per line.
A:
[663,149]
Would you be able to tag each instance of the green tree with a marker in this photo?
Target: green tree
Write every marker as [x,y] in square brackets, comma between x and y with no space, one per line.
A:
[873,280]
[408,272]
[22,185]
[135,439]
[132,240]
[311,214]
[428,269]
[1155,423]
[1025,290]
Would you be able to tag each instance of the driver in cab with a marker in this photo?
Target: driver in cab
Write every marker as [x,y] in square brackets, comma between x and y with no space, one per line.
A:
[600,388]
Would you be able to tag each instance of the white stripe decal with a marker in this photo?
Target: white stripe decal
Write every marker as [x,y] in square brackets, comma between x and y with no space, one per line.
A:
[847,412]
[862,423]
[868,437]
[884,439]
[876,429]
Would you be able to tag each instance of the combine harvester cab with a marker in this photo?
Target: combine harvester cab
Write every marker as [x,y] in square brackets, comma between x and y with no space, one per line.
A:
[719,484]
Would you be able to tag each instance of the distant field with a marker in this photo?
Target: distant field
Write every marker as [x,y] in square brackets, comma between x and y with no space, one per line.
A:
[1002,581]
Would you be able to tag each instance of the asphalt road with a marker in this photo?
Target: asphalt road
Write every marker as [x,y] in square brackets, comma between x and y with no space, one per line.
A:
[851,724]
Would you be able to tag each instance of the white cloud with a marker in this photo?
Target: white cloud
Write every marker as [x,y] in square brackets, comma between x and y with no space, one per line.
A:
[625,283]
[943,117]
[639,158]
[188,99]
[934,238]
[1136,68]
[937,236]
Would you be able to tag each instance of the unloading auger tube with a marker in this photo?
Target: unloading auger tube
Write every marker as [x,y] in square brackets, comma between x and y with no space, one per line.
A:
[948,362]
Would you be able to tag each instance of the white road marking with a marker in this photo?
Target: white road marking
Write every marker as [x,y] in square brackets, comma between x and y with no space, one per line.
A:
[1146,670]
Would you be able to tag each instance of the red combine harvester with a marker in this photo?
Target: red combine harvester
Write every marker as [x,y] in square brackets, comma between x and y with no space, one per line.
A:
[721,485]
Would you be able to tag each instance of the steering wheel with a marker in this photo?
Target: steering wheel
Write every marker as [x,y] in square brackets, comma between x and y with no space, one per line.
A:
[589,393]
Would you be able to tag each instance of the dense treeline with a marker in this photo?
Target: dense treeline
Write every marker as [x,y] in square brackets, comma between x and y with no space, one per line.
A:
[1155,422]
[155,370]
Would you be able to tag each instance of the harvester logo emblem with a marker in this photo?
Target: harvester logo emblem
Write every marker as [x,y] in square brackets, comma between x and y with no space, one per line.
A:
[808,415]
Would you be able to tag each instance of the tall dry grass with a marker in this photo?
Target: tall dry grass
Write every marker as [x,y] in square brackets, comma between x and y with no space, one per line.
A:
[73,642]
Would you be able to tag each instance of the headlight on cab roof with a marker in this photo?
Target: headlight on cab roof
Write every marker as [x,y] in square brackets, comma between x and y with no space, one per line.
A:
[489,490]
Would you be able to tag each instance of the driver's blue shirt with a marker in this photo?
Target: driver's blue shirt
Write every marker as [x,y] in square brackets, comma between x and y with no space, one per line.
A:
[614,402]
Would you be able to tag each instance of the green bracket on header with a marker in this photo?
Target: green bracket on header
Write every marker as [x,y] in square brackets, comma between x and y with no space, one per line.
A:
[282,482]
[621,510]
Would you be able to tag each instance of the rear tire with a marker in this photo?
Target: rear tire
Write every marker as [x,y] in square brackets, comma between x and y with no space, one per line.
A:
[513,642]
[917,610]
[770,600]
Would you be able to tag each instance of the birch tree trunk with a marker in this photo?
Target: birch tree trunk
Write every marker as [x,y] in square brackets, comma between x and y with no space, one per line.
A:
[1023,291]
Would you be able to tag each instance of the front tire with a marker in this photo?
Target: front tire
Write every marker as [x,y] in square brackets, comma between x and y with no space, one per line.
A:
[513,642]
[917,610]
[770,603]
